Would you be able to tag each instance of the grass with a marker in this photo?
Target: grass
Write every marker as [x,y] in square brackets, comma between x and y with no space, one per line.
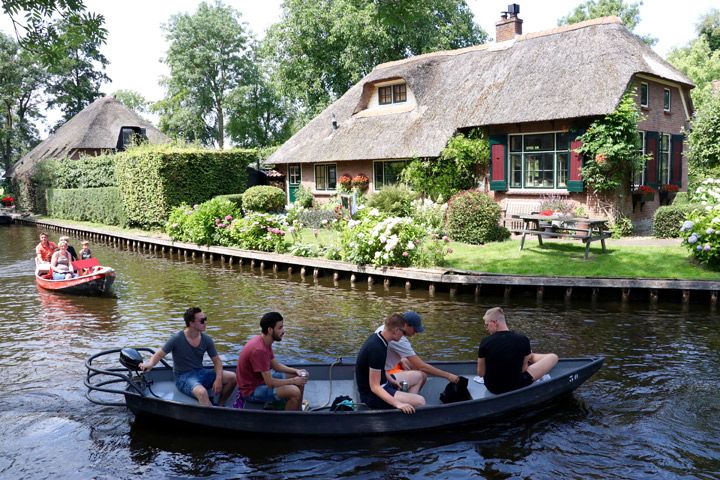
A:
[554,258]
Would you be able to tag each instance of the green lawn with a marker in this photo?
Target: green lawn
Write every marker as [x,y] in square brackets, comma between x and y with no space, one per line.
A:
[554,258]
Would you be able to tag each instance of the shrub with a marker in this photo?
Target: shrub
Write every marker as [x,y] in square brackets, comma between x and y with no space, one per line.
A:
[668,220]
[622,227]
[473,218]
[260,231]
[681,198]
[304,197]
[429,214]
[387,241]
[708,193]
[394,200]
[204,224]
[264,198]
[235,198]
[701,234]
[100,205]
[155,178]
[317,218]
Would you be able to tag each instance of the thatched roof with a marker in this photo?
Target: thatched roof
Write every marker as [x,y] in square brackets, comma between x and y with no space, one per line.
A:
[579,70]
[96,127]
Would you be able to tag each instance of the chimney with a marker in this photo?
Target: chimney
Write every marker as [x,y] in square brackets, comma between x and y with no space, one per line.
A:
[509,24]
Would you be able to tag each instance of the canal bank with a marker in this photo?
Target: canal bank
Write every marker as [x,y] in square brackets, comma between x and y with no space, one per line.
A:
[453,281]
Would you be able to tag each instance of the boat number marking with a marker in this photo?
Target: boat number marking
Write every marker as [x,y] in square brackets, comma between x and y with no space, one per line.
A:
[574,377]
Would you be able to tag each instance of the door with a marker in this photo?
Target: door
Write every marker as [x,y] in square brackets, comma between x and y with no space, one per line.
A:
[294,176]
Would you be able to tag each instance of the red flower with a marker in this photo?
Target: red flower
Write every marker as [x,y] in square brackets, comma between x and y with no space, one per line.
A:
[669,187]
[345,180]
[360,180]
[547,213]
[7,200]
[645,189]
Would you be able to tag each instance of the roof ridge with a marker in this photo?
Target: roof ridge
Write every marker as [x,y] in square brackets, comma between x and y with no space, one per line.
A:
[484,46]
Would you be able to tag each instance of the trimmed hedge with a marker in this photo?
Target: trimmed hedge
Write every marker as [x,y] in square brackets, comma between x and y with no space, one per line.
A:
[668,219]
[474,217]
[100,205]
[264,199]
[155,178]
[85,172]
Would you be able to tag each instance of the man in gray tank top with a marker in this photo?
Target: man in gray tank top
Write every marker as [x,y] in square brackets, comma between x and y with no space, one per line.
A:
[188,347]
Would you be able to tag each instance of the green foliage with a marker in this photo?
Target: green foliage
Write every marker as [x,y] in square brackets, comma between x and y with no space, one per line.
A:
[85,172]
[709,28]
[322,48]
[474,217]
[629,13]
[700,235]
[701,64]
[204,224]
[395,200]
[379,240]
[264,198]
[668,219]
[235,198]
[153,179]
[557,203]
[611,146]
[622,227]
[100,205]
[681,198]
[260,231]
[704,138]
[456,169]
[316,218]
[429,214]
[133,100]
[304,197]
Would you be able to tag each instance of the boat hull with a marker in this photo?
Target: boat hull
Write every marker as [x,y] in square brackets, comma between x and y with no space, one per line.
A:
[96,283]
[323,422]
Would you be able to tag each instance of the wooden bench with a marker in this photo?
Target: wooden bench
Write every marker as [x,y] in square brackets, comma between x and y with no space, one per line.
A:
[512,209]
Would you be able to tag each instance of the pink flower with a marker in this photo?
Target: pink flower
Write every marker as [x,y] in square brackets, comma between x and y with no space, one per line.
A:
[228,217]
[405,254]
[445,239]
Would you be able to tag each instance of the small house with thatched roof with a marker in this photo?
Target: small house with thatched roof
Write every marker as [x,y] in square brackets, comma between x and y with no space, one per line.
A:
[104,126]
[532,94]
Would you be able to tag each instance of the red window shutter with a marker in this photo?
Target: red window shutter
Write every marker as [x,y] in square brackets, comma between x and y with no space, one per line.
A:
[651,147]
[676,160]
[575,182]
[498,163]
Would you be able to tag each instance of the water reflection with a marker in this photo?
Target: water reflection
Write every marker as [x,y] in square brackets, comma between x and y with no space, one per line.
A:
[650,412]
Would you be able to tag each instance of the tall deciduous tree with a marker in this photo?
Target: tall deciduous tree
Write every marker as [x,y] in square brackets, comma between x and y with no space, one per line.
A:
[76,78]
[321,48]
[709,27]
[132,100]
[21,79]
[629,13]
[704,138]
[208,59]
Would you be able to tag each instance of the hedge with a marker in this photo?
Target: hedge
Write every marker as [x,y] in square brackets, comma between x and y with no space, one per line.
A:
[473,217]
[100,205]
[85,172]
[263,199]
[155,178]
[235,198]
[668,219]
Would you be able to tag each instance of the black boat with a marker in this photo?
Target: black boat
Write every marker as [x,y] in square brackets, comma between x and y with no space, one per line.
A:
[154,394]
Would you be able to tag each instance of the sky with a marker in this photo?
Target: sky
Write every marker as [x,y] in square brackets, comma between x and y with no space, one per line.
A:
[136,42]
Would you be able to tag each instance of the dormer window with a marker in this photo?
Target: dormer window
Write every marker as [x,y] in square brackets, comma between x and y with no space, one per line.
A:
[390,94]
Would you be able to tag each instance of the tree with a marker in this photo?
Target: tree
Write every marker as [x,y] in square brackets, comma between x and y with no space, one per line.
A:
[76,78]
[132,100]
[709,28]
[21,78]
[208,59]
[701,64]
[704,138]
[629,13]
[320,49]
[38,31]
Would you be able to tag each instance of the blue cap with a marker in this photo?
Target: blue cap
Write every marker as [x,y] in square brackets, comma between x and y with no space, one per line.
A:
[413,319]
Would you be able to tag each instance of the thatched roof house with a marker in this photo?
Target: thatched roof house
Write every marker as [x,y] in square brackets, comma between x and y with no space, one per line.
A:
[103,126]
[551,81]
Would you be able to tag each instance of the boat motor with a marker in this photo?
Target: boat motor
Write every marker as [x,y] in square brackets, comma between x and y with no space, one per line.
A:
[131,359]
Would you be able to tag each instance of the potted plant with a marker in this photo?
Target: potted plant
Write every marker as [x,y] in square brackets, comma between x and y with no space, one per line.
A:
[360,181]
[644,193]
[667,193]
[345,182]
[7,201]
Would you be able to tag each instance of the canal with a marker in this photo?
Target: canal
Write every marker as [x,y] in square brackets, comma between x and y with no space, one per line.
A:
[651,412]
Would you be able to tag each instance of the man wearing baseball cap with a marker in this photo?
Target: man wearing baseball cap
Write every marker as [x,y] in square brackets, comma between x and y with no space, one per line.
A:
[404,364]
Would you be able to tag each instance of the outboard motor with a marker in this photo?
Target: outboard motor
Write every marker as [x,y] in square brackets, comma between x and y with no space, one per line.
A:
[131,359]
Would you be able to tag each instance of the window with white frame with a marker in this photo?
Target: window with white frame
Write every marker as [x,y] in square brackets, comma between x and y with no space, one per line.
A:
[666,99]
[639,175]
[325,177]
[644,95]
[539,160]
[390,94]
[664,158]
[387,173]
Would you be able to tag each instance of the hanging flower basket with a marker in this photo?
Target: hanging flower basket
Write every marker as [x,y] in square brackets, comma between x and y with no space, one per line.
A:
[7,201]
[644,193]
[360,181]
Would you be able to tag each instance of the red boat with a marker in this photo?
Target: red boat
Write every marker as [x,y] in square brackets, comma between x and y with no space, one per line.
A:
[92,279]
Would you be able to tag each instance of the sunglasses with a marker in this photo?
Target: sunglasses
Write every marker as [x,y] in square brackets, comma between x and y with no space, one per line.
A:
[203,320]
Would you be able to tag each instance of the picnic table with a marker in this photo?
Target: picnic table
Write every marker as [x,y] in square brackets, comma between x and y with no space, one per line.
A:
[587,230]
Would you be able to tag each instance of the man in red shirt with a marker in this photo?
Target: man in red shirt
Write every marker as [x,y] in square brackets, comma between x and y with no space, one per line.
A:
[45,249]
[255,381]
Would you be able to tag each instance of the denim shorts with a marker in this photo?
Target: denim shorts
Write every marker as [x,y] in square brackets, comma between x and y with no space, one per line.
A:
[263,393]
[186,381]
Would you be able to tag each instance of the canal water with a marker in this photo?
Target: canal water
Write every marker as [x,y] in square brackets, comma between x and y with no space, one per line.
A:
[653,411]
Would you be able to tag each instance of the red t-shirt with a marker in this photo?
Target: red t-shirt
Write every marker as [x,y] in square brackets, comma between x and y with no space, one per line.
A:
[45,252]
[254,359]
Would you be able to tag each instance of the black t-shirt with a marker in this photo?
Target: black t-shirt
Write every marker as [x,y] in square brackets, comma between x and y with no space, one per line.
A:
[72,252]
[504,353]
[371,355]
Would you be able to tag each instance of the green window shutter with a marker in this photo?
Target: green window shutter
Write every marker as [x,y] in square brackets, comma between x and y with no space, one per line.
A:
[498,163]
[676,160]
[652,146]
